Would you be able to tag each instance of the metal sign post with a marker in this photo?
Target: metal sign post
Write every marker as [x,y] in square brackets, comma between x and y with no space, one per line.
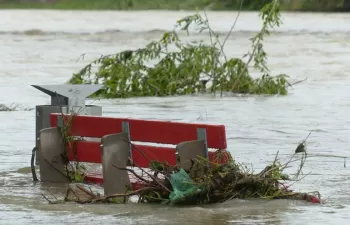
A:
[65,99]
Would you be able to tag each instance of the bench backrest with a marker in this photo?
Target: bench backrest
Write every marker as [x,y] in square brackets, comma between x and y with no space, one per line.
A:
[151,131]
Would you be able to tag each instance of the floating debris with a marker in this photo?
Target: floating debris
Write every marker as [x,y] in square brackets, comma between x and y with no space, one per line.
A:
[14,107]
[204,183]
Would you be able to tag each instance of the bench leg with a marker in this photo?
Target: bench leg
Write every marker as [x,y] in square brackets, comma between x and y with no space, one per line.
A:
[115,153]
[190,150]
[51,150]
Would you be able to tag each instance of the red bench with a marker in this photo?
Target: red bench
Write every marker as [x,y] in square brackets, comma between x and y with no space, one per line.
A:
[150,131]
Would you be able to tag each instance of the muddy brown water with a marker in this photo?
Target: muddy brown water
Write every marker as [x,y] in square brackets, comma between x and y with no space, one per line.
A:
[42,47]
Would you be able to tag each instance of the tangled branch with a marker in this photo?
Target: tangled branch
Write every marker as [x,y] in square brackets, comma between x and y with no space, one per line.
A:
[203,183]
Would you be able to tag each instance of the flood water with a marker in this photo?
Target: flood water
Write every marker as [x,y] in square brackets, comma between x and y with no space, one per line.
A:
[42,47]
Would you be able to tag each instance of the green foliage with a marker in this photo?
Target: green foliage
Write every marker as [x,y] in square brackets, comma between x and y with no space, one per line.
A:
[75,171]
[325,5]
[206,182]
[309,5]
[247,4]
[107,4]
[172,66]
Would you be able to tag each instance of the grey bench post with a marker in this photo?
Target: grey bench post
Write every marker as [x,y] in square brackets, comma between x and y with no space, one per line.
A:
[115,155]
[191,149]
[51,150]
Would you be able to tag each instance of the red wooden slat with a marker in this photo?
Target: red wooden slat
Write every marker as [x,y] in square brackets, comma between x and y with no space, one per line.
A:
[145,130]
[142,154]
[86,151]
[96,178]
[90,151]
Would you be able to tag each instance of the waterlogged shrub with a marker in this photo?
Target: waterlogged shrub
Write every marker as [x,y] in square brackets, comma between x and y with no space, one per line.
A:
[172,66]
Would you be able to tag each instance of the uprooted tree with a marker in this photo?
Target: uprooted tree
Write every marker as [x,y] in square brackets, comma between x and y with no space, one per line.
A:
[172,66]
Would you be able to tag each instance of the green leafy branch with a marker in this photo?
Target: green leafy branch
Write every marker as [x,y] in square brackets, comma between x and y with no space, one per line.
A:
[172,66]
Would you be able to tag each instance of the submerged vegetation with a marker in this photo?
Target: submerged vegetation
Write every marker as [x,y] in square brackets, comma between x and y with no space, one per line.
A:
[172,66]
